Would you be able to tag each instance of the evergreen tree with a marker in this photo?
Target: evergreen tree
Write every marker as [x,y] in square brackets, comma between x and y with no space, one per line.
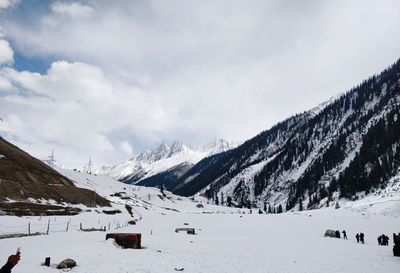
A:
[162,190]
[229,201]
[300,204]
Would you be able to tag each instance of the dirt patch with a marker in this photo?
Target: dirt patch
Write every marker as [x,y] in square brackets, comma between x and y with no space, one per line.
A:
[32,209]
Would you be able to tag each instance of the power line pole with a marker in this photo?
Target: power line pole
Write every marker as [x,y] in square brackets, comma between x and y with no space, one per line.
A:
[89,166]
[51,159]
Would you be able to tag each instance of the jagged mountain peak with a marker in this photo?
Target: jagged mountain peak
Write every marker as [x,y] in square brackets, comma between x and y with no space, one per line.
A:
[162,158]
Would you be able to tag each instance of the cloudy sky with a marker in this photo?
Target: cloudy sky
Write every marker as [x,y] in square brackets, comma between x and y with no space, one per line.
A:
[108,79]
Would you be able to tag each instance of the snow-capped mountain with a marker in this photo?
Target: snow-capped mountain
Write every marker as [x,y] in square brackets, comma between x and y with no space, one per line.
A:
[346,147]
[163,158]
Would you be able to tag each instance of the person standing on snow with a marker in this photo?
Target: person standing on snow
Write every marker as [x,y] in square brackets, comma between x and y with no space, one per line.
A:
[362,238]
[358,238]
[344,235]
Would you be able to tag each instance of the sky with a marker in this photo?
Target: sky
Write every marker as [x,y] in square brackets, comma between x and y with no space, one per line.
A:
[108,79]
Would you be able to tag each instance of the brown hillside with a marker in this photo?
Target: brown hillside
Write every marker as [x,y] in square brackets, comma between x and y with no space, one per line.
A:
[23,176]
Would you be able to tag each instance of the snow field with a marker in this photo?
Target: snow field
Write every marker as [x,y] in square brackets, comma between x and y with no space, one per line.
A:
[226,241]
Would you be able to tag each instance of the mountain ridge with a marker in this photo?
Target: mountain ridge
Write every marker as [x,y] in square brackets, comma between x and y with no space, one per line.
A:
[307,157]
[162,158]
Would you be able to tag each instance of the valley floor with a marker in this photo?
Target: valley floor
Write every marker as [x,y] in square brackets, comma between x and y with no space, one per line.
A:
[226,241]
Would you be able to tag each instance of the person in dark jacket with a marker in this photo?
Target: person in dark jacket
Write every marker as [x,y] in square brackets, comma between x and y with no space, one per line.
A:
[396,242]
[344,235]
[11,262]
[362,238]
[384,240]
[358,238]
[380,240]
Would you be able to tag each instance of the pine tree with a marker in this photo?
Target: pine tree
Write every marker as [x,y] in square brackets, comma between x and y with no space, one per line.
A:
[162,190]
[280,209]
[229,201]
[300,204]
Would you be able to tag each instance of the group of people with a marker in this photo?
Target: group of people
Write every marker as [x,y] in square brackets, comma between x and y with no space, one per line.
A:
[337,234]
[383,240]
[360,238]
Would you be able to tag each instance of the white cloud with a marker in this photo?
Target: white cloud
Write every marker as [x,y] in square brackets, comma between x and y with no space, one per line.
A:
[73,9]
[5,85]
[189,70]
[126,148]
[65,81]
[6,52]
[4,4]
[65,107]
[73,108]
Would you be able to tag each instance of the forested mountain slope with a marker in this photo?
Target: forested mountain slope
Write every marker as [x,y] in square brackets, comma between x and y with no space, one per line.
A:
[349,146]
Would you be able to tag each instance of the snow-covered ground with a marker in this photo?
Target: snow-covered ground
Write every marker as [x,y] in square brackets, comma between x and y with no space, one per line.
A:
[226,241]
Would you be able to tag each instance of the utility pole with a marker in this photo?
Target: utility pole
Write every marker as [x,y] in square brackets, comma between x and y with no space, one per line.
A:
[89,166]
[51,159]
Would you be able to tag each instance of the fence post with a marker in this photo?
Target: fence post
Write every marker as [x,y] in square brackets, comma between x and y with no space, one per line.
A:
[29,228]
[109,226]
[80,226]
[67,226]
[48,227]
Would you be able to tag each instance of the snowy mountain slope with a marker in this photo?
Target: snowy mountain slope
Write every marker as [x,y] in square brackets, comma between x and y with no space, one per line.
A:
[147,198]
[268,242]
[159,160]
[168,179]
[348,145]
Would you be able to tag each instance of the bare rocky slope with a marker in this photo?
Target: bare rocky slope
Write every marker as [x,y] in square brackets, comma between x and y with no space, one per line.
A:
[24,179]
